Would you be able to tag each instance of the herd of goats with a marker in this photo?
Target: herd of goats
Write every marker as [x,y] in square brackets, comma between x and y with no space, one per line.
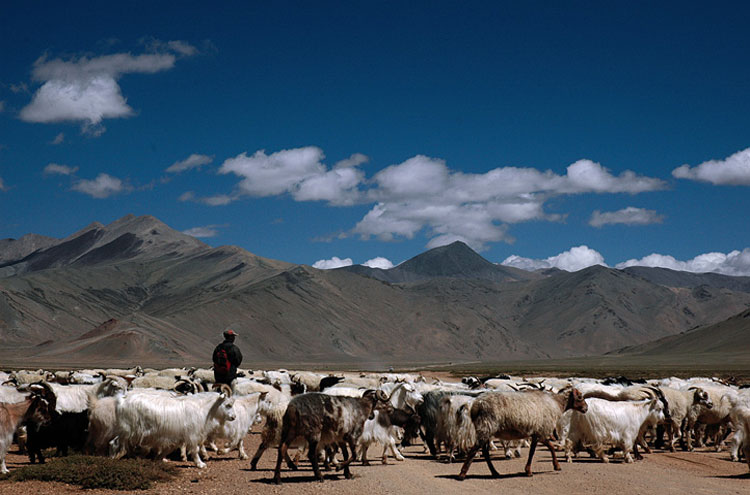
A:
[153,413]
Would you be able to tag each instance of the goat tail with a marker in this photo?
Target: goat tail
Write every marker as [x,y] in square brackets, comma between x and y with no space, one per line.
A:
[466,432]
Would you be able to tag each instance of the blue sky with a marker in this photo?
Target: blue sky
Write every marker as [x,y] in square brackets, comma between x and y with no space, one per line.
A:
[540,133]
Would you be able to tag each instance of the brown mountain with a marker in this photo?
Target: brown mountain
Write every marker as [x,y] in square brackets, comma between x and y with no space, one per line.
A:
[729,339]
[136,290]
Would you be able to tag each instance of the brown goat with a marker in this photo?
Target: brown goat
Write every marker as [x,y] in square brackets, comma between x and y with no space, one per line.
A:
[518,415]
[36,407]
[324,420]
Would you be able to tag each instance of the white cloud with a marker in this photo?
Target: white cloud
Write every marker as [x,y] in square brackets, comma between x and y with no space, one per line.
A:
[85,89]
[422,195]
[355,160]
[735,263]
[299,172]
[193,161]
[576,258]
[626,216]
[732,171]
[379,262]
[58,139]
[202,232]
[334,262]
[218,200]
[102,187]
[57,169]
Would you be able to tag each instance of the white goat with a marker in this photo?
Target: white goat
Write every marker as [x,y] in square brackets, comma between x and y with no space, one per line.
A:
[233,432]
[616,423]
[152,422]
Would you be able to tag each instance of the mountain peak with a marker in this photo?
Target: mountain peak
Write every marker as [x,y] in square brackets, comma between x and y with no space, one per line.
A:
[455,260]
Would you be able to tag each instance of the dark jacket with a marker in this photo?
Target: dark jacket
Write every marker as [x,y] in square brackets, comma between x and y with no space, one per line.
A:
[235,359]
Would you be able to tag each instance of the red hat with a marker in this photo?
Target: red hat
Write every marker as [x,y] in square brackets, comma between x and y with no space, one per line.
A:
[230,333]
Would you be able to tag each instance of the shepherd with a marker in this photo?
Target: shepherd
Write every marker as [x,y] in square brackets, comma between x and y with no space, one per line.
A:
[227,357]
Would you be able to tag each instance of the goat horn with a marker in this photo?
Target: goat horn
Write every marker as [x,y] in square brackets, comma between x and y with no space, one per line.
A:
[223,388]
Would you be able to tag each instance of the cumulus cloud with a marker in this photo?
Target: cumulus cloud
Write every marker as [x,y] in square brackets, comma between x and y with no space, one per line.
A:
[422,195]
[379,262]
[102,187]
[355,160]
[299,172]
[57,169]
[85,89]
[626,216]
[58,139]
[735,263]
[576,258]
[193,161]
[732,171]
[203,232]
[334,262]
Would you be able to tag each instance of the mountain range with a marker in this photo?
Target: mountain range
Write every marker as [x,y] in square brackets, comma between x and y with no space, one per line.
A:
[139,292]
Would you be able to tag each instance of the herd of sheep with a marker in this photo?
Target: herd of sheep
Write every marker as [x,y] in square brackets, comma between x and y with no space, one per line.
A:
[335,419]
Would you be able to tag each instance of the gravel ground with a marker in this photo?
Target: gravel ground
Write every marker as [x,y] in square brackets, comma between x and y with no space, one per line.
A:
[702,472]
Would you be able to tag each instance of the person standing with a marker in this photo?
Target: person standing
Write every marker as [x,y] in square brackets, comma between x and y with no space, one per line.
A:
[226,357]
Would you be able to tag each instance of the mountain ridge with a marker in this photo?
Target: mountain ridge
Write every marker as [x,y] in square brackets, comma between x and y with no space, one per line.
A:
[146,288]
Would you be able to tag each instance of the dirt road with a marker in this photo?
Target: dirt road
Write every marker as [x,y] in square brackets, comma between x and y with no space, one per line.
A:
[703,472]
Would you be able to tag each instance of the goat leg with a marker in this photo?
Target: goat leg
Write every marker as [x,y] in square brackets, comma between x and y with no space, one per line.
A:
[258,453]
[467,463]
[532,449]
[555,464]
[488,459]
[282,453]
[313,454]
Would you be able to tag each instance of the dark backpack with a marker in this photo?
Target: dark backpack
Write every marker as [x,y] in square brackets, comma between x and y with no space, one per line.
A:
[221,362]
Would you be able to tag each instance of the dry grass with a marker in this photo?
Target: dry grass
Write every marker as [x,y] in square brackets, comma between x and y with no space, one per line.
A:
[97,472]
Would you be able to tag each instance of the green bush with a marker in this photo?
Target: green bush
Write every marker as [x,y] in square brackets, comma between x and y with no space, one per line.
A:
[98,472]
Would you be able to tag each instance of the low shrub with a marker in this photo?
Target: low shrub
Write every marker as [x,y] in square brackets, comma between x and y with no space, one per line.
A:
[98,472]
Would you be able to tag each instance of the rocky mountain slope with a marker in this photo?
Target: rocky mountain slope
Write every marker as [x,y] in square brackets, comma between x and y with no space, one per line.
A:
[137,290]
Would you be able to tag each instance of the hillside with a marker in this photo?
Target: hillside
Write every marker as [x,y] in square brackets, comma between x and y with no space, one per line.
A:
[728,338]
[138,290]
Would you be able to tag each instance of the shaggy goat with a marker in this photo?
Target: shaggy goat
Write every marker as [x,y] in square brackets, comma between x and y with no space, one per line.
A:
[518,415]
[36,407]
[325,420]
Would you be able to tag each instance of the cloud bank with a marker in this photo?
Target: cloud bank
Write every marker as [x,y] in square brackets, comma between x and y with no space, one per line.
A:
[735,263]
[334,262]
[422,195]
[576,258]
[732,171]
[379,262]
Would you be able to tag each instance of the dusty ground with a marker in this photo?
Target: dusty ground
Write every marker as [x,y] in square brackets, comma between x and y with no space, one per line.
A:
[703,472]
